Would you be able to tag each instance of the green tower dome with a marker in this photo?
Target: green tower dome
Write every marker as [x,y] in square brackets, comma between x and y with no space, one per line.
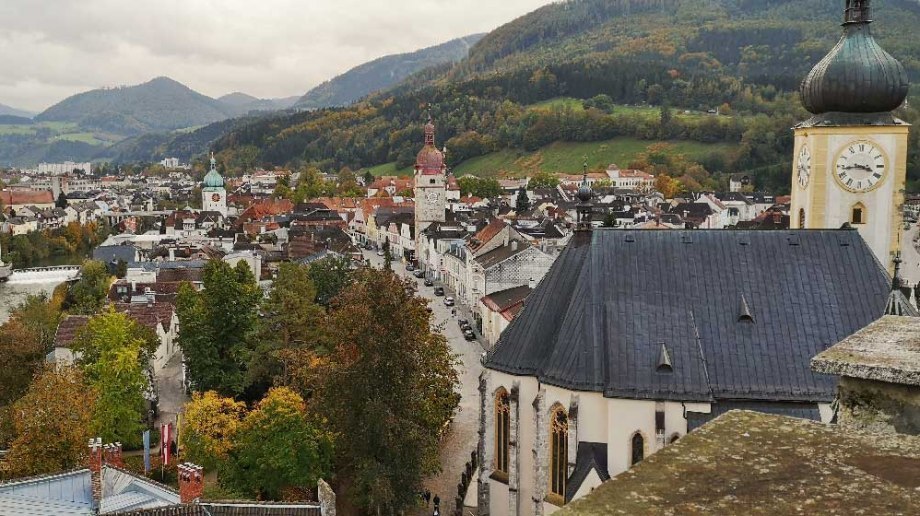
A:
[213,178]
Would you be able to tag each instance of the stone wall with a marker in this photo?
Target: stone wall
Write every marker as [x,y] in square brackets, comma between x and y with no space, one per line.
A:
[879,406]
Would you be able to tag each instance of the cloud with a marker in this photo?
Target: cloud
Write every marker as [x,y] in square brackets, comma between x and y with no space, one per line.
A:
[50,49]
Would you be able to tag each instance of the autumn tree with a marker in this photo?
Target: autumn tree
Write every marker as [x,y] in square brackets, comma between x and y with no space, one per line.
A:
[215,325]
[543,180]
[209,426]
[387,389]
[291,319]
[52,423]
[21,354]
[115,355]
[277,449]
[348,184]
[89,293]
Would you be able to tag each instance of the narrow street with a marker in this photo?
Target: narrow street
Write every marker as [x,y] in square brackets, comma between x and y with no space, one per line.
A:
[463,436]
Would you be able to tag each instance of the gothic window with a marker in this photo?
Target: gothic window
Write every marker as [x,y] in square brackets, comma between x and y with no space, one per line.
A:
[502,430]
[858,214]
[559,451]
[638,448]
[802,219]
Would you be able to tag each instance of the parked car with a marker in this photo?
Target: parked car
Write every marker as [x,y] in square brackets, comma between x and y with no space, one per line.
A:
[448,301]
[410,267]
[429,283]
[463,323]
[418,273]
[468,334]
[439,291]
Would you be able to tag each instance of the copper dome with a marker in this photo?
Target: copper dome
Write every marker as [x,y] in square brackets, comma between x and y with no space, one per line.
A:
[857,76]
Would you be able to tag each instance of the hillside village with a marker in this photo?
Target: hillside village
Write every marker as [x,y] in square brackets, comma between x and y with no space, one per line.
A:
[294,342]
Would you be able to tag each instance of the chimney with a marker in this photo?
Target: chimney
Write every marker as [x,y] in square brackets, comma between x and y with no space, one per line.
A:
[112,455]
[514,245]
[531,284]
[191,482]
[95,468]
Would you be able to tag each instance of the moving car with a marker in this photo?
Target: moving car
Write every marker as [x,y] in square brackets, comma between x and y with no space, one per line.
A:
[468,334]
[429,283]
[463,323]
[448,301]
[439,291]
[418,273]
[410,267]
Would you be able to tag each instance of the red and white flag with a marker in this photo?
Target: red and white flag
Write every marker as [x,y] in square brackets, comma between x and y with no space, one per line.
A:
[164,442]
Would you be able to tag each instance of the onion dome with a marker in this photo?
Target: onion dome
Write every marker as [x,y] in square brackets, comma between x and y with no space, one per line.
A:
[585,193]
[429,160]
[213,178]
[857,76]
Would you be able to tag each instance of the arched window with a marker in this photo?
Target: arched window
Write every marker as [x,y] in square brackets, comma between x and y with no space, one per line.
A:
[559,451]
[858,215]
[502,430]
[802,218]
[638,448]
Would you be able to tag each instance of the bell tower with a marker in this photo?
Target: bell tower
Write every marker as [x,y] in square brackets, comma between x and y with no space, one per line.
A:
[850,158]
[430,183]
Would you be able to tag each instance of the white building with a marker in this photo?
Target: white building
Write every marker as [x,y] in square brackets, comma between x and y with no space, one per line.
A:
[635,338]
[59,169]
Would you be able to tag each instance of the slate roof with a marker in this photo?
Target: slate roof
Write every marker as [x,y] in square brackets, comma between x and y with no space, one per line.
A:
[504,299]
[597,320]
[590,456]
[501,253]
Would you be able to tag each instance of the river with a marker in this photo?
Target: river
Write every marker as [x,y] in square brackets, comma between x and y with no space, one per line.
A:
[14,292]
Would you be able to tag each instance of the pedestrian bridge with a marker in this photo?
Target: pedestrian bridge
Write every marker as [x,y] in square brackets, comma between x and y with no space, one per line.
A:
[58,273]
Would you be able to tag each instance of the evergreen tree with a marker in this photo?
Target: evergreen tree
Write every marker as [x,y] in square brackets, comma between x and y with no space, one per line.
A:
[61,201]
[387,256]
[522,203]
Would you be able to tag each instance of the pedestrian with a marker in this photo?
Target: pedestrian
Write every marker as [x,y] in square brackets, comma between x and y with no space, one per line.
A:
[437,502]
[427,498]
[174,448]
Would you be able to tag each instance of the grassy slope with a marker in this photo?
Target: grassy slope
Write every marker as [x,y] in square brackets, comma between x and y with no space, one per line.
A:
[564,157]
[567,157]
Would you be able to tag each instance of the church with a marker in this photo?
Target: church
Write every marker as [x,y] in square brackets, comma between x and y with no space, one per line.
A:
[213,193]
[635,338]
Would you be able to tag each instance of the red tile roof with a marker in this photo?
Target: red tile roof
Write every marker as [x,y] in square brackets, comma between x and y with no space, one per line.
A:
[68,328]
[18,197]
[487,233]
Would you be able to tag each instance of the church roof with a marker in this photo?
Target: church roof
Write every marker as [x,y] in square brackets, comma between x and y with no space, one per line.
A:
[597,320]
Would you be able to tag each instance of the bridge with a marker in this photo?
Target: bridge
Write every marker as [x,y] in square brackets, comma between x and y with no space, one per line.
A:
[58,273]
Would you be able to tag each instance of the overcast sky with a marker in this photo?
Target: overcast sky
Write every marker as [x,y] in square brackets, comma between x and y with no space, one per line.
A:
[51,49]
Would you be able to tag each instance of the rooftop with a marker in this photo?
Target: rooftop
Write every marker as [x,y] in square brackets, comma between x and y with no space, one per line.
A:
[752,463]
[887,350]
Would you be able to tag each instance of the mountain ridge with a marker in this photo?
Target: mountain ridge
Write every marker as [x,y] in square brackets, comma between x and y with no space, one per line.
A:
[384,72]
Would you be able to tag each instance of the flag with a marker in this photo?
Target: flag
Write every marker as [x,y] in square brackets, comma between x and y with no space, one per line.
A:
[178,441]
[146,452]
[164,443]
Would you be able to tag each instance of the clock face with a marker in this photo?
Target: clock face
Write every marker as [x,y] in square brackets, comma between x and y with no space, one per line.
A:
[431,196]
[215,197]
[860,166]
[803,167]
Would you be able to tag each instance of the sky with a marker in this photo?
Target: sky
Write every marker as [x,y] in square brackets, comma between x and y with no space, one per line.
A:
[51,49]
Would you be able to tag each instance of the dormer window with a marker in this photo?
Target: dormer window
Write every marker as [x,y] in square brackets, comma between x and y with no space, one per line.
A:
[745,314]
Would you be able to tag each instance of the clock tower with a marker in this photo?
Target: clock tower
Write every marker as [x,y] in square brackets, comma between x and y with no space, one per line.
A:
[850,158]
[213,193]
[430,193]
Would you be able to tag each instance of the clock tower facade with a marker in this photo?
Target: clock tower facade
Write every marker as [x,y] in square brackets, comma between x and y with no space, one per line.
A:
[850,158]
[213,193]
[430,183]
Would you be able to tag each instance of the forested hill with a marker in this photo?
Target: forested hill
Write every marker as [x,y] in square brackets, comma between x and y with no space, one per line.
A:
[11,111]
[744,58]
[381,74]
[161,104]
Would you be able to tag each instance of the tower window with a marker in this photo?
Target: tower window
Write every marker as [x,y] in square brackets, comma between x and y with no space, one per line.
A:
[431,181]
[502,430]
[858,215]
[802,218]
[559,451]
